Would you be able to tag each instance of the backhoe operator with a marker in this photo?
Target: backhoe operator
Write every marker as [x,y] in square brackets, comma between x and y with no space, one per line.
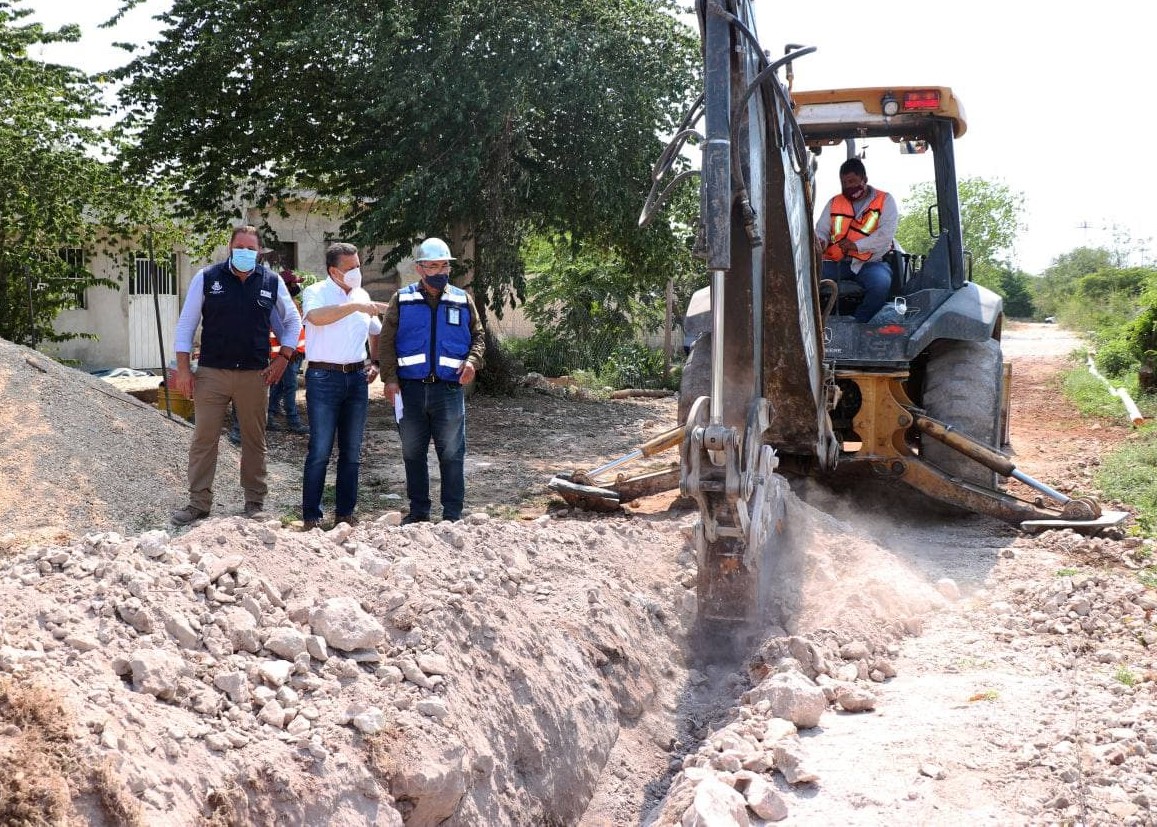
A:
[854,232]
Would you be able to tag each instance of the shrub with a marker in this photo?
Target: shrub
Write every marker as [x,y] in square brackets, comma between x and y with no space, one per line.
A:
[633,365]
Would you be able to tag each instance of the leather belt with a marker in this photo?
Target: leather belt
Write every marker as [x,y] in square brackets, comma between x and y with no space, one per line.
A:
[351,367]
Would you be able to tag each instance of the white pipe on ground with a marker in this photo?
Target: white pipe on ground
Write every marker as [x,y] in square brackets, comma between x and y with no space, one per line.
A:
[1130,406]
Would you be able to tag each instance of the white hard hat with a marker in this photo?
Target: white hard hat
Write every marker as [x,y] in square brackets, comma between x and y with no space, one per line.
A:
[433,249]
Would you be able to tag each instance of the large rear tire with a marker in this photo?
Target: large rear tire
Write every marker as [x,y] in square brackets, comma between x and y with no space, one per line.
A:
[962,387]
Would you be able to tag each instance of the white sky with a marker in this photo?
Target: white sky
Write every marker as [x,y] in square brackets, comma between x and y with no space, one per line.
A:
[1056,94]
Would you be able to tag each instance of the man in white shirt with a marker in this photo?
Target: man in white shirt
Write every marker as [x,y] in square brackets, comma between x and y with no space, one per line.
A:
[341,324]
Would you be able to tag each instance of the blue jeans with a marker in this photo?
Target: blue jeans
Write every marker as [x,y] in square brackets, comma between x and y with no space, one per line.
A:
[875,277]
[284,393]
[336,404]
[436,411]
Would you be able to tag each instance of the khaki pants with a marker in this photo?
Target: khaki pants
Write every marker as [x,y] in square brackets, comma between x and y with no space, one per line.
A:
[215,389]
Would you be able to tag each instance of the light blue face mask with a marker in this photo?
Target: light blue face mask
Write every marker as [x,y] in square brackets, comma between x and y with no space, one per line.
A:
[243,260]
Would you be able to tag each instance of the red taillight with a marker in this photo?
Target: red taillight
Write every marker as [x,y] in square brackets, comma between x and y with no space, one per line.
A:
[921,99]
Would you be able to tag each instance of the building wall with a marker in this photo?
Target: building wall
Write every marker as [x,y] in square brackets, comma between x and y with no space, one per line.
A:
[105,315]
[310,225]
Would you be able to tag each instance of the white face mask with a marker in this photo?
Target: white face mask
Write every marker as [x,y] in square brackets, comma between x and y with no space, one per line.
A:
[353,278]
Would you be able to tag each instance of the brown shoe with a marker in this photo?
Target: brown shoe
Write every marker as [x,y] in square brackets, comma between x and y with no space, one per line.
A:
[188,514]
[255,511]
[348,519]
[309,525]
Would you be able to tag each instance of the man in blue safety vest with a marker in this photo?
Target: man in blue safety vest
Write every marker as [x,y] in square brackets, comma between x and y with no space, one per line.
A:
[432,345]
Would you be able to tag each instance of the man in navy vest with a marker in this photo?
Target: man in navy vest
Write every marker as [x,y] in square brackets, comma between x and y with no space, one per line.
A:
[236,303]
[432,344]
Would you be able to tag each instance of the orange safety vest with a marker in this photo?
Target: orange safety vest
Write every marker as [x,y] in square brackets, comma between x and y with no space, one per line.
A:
[275,346]
[846,225]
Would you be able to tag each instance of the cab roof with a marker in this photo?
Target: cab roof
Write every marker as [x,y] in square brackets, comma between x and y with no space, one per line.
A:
[830,116]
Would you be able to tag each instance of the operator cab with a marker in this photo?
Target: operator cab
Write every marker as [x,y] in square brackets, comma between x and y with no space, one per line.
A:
[920,123]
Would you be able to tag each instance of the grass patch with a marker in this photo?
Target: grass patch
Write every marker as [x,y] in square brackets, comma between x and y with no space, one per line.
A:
[1129,475]
[504,512]
[986,695]
[1090,395]
[1067,572]
[1148,577]
[1125,676]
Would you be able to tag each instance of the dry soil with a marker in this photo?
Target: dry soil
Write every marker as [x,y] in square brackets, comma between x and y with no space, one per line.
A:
[535,665]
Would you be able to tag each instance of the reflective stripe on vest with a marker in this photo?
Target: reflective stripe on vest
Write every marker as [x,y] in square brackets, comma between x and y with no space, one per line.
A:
[432,341]
[846,225]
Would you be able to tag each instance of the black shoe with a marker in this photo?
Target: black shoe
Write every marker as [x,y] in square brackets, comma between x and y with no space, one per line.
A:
[271,424]
[188,514]
[235,438]
[298,428]
[309,525]
[451,518]
[410,519]
[348,519]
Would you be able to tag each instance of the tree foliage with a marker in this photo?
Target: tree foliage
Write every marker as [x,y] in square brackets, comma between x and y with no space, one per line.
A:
[991,216]
[53,190]
[1056,285]
[1016,288]
[463,118]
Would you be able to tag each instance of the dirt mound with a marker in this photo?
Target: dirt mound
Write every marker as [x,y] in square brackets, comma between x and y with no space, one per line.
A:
[79,455]
[482,672]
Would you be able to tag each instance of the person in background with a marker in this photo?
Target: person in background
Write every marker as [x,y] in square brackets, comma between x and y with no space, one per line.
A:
[341,325]
[283,395]
[854,232]
[234,302]
[432,345]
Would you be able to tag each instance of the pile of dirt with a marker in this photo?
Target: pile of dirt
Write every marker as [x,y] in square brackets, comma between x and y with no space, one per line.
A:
[481,671]
[79,455]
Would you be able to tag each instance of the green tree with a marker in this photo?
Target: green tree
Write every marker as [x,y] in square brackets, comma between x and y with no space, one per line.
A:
[476,120]
[1015,287]
[990,213]
[55,193]
[1056,285]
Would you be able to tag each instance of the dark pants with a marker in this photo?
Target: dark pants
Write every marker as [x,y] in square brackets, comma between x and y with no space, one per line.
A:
[336,404]
[434,411]
[875,277]
[284,394]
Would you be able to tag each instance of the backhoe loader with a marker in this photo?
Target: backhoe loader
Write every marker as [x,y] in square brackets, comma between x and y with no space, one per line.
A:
[782,380]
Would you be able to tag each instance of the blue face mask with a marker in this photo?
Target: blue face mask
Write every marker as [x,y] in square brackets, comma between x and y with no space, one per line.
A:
[243,260]
[438,281]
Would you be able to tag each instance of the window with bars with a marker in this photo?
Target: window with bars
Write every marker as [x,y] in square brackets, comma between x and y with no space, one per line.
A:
[73,257]
[165,273]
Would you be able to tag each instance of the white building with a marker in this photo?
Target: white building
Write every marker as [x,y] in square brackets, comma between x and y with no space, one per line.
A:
[125,320]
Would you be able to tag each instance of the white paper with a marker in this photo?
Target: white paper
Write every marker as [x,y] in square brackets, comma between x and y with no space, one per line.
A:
[398,406]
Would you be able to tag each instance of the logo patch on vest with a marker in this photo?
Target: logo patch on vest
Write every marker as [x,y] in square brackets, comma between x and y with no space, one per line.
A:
[265,294]
[216,288]
[453,316]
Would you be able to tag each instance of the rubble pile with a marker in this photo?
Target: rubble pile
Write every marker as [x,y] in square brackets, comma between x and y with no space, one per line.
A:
[376,673]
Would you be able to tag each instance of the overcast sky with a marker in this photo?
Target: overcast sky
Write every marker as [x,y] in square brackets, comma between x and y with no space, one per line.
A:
[1057,96]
